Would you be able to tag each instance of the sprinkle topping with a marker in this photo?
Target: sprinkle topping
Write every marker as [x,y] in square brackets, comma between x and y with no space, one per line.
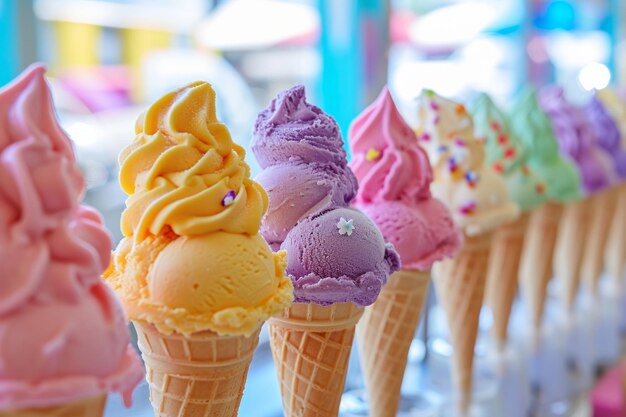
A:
[498,167]
[372,154]
[471,177]
[229,198]
[468,209]
[346,227]
[540,188]
[509,153]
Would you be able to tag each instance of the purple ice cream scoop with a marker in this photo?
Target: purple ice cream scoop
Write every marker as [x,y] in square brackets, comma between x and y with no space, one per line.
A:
[578,140]
[290,129]
[305,168]
[298,189]
[334,253]
[330,262]
[608,134]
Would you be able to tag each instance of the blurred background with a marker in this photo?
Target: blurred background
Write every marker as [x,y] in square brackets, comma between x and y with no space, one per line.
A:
[108,58]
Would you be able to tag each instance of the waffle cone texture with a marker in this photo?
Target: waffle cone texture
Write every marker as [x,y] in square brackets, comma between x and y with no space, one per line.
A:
[199,375]
[616,247]
[311,346]
[568,252]
[536,264]
[603,207]
[503,272]
[89,407]
[460,285]
[384,336]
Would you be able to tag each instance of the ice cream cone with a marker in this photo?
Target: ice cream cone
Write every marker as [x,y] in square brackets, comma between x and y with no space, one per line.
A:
[90,407]
[601,213]
[616,247]
[384,335]
[311,346]
[502,274]
[195,376]
[569,248]
[536,264]
[460,286]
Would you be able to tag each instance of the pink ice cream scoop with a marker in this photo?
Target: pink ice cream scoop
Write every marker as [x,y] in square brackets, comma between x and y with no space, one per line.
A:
[63,334]
[394,177]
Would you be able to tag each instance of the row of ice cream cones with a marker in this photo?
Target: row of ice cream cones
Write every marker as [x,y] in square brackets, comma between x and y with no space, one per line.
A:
[316,247]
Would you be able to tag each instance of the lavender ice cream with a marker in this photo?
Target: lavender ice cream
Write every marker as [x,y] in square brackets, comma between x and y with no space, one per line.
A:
[301,150]
[577,139]
[608,134]
[335,253]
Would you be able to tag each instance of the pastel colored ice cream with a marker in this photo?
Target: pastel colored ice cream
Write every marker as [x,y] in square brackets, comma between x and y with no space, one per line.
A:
[335,253]
[532,127]
[616,107]
[475,194]
[192,259]
[607,134]
[505,154]
[394,186]
[577,140]
[299,148]
[63,334]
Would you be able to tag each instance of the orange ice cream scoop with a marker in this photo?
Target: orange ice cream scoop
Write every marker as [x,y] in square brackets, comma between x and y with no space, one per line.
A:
[192,259]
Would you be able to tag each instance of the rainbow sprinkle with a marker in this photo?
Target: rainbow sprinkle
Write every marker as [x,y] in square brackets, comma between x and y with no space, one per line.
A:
[425,137]
[540,188]
[472,178]
[460,109]
[468,209]
[372,154]
[229,198]
[509,153]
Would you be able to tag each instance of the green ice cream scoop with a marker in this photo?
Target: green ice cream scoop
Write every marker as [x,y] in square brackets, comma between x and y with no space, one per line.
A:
[541,151]
[506,155]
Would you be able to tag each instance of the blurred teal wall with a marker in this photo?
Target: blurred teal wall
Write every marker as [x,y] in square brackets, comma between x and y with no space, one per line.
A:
[9,59]
[353,46]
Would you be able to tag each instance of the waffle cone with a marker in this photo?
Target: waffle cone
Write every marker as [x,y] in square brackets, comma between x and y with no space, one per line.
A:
[384,336]
[536,263]
[311,346]
[502,273]
[199,375]
[460,285]
[568,252]
[616,247]
[601,214]
[90,407]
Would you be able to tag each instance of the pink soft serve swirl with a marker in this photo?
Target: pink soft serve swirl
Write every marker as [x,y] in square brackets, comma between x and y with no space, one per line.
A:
[43,230]
[394,186]
[63,335]
[402,170]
